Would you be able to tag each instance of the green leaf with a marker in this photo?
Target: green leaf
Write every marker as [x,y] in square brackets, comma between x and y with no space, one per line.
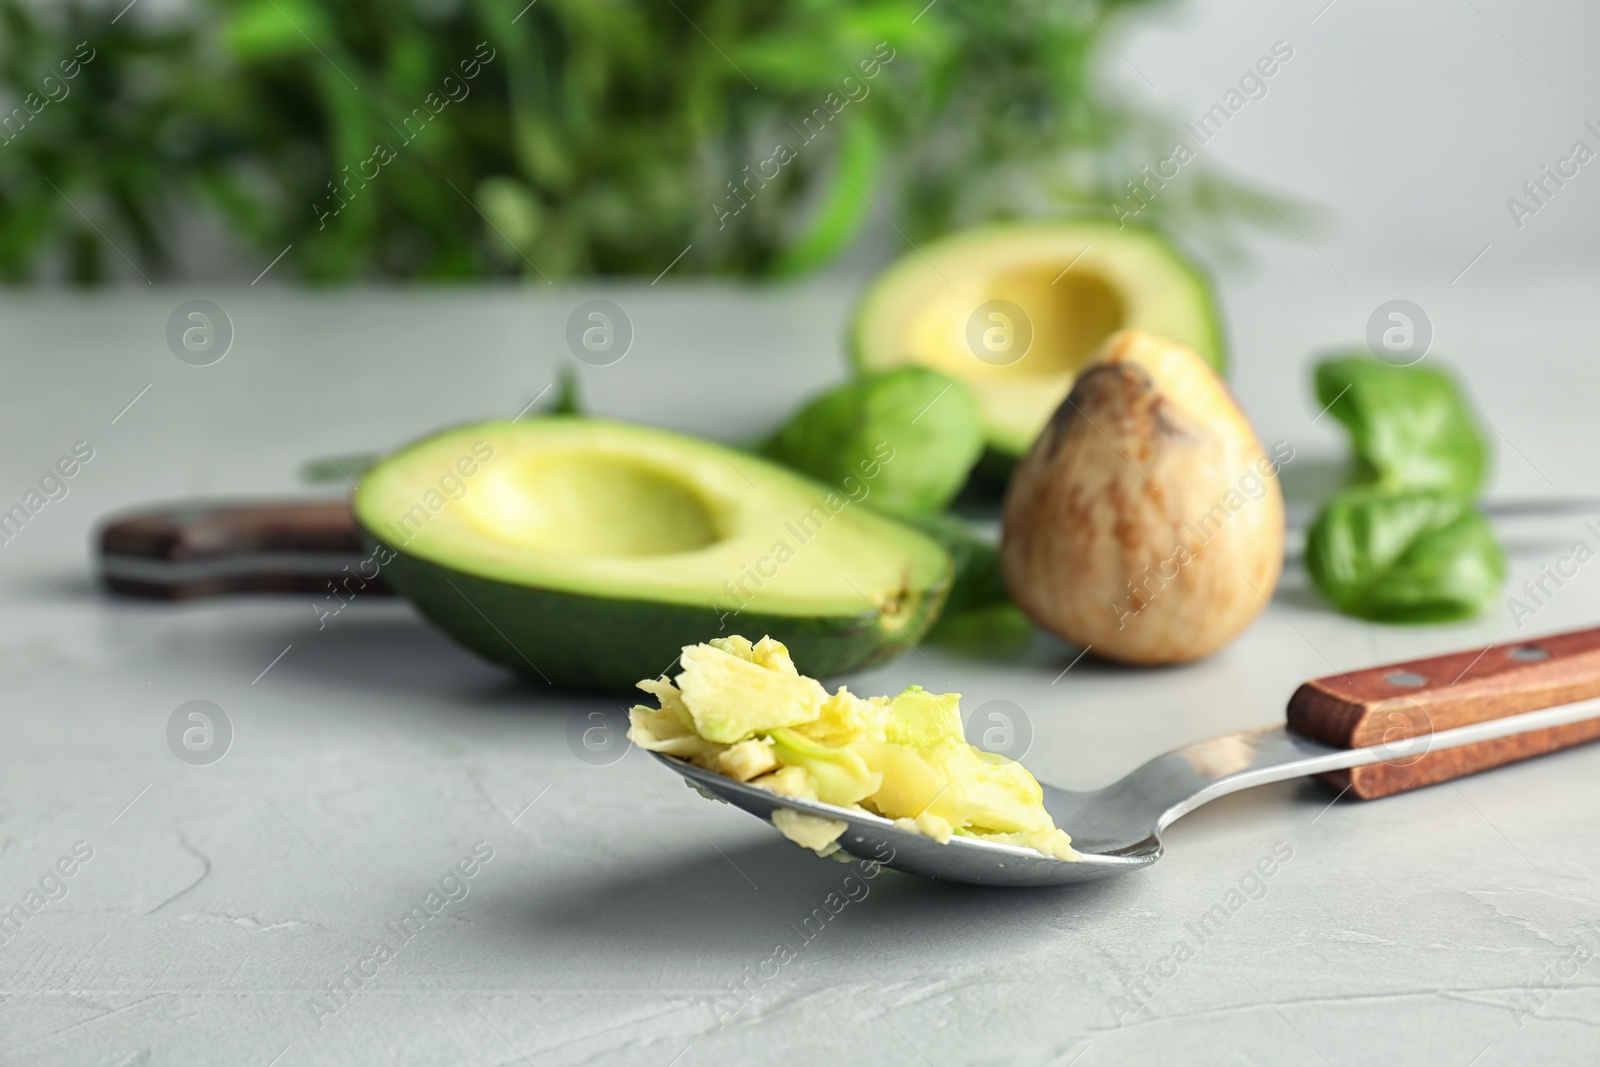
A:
[568,402]
[275,28]
[514,215]
[1410,426]
[786,62]
[839,217]
[1409,557]
[337,468]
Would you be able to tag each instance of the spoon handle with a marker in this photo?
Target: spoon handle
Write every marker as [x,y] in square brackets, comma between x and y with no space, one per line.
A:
[1385,705]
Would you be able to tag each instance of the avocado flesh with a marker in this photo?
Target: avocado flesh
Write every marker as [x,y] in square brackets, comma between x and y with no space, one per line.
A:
[587,553]
[1077,282]
[922,719]
[904,757]
[730,697]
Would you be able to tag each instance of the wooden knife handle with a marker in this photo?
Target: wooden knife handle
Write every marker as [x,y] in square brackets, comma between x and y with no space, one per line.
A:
[1388,704]
[186,551]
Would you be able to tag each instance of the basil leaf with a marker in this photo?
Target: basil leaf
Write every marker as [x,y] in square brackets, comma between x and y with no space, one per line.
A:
[1407,557]
[1411,427]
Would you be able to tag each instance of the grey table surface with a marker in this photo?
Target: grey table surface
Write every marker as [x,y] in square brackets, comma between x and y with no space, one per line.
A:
[619,912]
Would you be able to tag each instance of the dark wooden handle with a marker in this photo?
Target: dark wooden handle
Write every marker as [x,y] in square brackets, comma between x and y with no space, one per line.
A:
[1388,704]
[185,551]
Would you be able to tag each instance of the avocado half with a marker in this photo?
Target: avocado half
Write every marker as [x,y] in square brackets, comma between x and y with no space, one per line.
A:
[588,553]
[1076,282]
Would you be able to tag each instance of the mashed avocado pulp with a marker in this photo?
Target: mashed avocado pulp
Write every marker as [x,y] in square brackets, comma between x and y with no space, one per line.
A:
[743,710]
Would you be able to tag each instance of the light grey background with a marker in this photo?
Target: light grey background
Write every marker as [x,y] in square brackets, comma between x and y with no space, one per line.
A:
[1409,123]
[373,754]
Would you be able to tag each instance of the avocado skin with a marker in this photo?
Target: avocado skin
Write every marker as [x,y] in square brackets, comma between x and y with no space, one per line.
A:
[606,644]
[978,582]
[990,476]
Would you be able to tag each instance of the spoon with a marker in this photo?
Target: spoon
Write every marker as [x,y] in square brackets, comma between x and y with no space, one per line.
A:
[1372,732]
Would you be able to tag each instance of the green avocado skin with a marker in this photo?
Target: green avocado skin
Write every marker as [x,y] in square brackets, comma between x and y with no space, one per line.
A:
[606,644]
[978,580]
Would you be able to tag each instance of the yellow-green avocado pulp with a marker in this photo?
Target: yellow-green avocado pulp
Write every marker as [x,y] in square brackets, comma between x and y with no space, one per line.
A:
[743,710]
[1040,297]
[587,553]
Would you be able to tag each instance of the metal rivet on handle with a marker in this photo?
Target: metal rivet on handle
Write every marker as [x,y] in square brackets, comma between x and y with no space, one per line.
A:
[1529,653]
[1406,679]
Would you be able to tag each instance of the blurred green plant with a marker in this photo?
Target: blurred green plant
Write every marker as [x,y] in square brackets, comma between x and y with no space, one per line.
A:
[590,136]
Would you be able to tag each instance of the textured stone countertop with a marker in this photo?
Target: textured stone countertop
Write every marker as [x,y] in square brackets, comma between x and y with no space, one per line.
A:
[616,910]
